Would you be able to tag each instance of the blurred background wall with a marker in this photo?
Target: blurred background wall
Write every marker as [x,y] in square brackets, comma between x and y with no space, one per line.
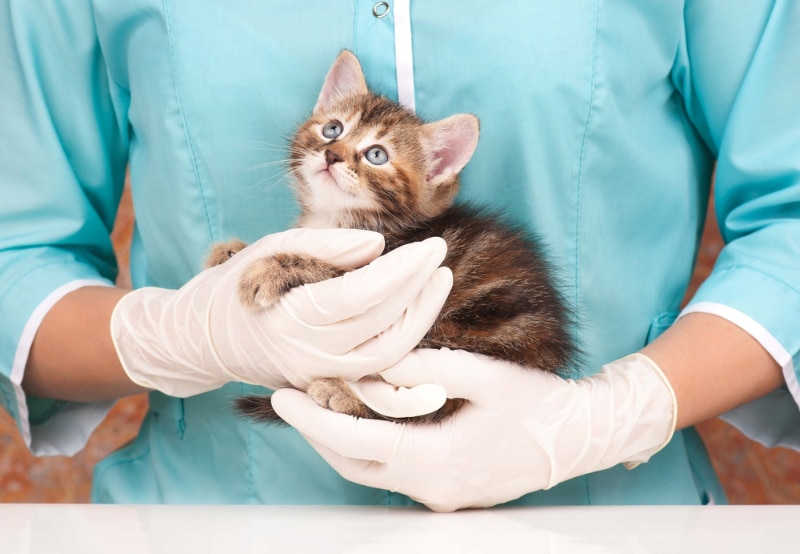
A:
[750,473]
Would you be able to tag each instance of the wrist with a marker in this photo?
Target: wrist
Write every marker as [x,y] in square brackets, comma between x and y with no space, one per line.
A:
[158,349]
[624,414]
[648,402]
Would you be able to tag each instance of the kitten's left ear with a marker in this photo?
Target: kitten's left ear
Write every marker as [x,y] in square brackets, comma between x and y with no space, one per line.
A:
[452,142]
[345,78]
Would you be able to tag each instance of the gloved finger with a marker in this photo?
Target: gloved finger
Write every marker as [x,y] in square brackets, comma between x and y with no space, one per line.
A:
[339,354]
[389,284]
[378,475]
[363,439]
[364,472]
[393,401]
[348,248]
[386,348]
[462,374]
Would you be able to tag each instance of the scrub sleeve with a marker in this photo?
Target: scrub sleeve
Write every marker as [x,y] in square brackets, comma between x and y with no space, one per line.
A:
[62,162]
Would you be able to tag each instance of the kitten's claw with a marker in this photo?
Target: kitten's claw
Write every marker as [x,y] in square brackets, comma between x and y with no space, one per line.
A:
[223,251]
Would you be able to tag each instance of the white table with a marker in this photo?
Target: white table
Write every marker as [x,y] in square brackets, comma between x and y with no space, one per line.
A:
[85,529]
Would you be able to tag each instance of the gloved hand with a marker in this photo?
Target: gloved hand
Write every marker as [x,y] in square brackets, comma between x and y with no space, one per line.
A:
[199,337]
[522,430]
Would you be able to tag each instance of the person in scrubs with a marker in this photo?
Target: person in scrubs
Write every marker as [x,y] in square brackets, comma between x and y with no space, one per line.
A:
[601,126]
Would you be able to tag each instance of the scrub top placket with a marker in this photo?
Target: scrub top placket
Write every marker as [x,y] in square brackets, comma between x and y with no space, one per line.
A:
[382,42]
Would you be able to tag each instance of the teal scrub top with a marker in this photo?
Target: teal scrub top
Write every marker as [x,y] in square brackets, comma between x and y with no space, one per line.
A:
[601,123]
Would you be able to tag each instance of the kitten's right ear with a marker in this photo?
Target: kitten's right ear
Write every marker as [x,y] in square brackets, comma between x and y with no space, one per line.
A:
[451,142]
[344,79]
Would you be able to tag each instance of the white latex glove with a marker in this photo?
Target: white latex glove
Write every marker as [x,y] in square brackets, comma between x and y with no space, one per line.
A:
[522,430]
[199,337]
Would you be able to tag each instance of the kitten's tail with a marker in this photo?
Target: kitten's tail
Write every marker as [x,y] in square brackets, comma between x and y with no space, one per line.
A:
[258,408]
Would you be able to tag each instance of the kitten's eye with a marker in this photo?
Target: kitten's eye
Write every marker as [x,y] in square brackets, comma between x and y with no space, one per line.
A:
[332,130]
[377,155]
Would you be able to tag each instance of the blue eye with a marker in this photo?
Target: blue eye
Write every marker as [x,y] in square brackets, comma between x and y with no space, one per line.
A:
[376,155]
[332,130]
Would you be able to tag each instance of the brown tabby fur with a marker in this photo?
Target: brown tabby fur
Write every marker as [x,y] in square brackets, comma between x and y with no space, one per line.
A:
[503,302]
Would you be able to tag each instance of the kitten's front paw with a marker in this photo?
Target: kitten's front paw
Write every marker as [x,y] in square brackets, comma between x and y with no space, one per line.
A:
[266,279]
[334,394]
[223,251]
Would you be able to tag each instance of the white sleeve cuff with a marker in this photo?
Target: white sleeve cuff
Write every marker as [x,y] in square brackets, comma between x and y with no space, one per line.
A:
[68,430]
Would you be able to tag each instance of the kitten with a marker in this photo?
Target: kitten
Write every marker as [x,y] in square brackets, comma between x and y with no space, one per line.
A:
[362,161]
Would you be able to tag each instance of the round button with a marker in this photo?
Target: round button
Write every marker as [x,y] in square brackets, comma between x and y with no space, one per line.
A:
[381,9]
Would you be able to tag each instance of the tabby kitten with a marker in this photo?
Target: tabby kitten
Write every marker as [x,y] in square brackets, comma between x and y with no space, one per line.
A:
[362,161]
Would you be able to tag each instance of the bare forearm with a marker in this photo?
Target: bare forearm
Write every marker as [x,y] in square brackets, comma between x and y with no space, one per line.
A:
[73,356]
[713,366]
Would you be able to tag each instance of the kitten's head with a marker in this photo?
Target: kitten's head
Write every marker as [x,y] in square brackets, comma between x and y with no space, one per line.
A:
[362,161]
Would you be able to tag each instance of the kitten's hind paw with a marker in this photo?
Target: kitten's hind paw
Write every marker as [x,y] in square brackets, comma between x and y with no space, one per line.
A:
[266,279]
[334,394]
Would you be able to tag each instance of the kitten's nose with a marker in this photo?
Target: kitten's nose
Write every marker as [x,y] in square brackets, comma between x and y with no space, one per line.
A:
[332,157]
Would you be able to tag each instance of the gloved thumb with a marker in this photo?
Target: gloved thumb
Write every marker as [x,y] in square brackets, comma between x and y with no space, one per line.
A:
[398,402]
[460,373]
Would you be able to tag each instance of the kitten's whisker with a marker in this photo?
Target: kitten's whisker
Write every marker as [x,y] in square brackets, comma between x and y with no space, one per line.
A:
[273,178]
[264,165]
[264,143]
[268,184]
